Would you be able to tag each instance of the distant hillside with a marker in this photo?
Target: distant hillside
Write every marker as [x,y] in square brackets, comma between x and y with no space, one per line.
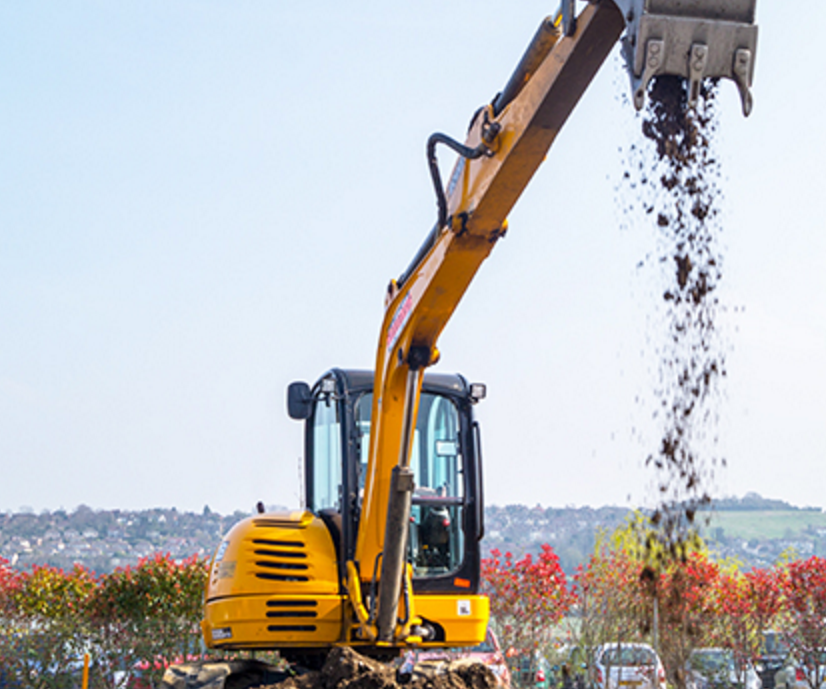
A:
[757,531]
[765,524]
[752,529]
[571,531]
[752,502]
[105,539]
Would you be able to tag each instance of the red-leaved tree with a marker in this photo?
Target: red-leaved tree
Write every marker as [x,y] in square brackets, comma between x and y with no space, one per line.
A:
[629,593]
[748,603]
[687,608]
[803,584]
[144,618]
[527,597]
[613,602]
[134,621]
[44,625]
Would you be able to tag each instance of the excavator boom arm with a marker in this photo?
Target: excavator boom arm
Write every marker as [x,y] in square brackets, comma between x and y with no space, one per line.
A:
[479,196]
[507,142]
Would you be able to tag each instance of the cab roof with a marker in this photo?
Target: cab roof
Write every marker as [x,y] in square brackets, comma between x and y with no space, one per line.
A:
[361,379]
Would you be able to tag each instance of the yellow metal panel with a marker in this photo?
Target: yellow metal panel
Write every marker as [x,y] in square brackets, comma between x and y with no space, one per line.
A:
[290,553]
[273,621]
[464,618]
[274,570]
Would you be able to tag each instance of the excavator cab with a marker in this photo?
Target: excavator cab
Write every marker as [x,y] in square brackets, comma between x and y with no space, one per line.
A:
[280,580]
[446,515]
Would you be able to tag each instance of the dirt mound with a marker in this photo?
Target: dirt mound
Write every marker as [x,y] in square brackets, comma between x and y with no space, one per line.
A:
[347,669]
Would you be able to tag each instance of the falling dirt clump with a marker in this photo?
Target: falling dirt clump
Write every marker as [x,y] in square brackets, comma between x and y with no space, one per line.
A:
[680,185]
[347,669]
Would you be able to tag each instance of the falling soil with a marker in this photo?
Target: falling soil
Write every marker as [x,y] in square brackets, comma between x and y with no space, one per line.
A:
[679,182]
[347,669]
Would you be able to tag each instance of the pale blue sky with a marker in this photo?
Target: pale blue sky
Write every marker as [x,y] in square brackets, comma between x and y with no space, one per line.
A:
[202,201]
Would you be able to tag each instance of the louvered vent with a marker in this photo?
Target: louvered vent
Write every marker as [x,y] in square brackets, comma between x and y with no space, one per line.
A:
[292,615]
[280,560]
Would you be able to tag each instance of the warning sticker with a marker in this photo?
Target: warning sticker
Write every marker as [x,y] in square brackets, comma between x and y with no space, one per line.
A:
[226,570]
[399,320]
[463,608]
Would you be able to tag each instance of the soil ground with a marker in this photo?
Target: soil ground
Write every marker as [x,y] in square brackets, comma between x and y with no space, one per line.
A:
[347,669]
[344,668]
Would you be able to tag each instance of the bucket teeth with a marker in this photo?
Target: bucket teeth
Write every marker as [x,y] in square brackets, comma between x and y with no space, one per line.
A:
[742,76]
[654,54]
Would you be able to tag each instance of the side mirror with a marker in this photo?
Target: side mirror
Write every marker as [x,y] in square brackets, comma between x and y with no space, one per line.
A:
[299,400]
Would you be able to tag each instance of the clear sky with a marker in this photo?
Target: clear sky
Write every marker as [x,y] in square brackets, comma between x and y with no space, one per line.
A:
[202,201]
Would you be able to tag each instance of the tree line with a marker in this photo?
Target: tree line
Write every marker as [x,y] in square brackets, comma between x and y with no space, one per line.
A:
[136,620]
[676,604]
[132,623]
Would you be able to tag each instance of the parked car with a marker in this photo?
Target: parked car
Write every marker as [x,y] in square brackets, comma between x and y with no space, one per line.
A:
[632,665]
[488,653]
[773,658]
[717,668]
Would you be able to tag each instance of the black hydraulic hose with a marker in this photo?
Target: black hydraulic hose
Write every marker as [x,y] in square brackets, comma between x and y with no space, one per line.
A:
[441,198]
[489,132]
[433,164]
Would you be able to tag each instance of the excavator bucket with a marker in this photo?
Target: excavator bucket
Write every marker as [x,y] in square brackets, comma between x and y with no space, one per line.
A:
[694,39]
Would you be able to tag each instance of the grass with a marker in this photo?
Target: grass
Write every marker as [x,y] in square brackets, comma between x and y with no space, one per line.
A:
[765,524]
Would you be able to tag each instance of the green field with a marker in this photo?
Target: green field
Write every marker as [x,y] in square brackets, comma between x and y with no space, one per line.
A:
[764,524]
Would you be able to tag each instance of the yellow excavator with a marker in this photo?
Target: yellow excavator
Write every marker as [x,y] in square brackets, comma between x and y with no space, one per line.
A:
[385,554]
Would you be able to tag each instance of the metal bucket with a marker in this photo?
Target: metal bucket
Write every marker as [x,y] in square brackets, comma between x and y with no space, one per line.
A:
[695,39]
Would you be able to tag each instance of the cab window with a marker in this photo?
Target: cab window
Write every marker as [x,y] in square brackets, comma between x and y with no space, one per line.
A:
[326,456]
[436,541]
[436,537]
